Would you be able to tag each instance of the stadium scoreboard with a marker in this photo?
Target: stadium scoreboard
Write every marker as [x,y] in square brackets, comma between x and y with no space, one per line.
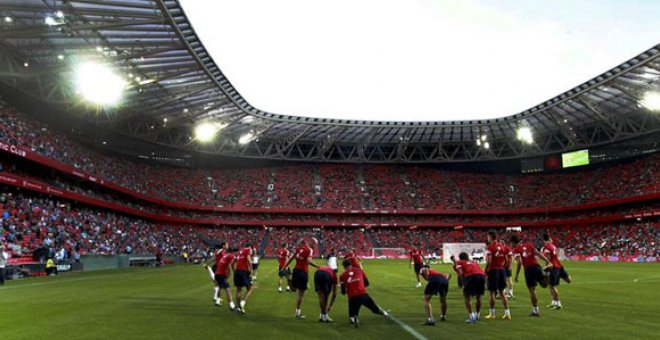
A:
[575,158]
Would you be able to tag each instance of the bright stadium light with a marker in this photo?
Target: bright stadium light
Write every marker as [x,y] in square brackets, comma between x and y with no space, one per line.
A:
[525,135]
[486,145]
[50,21]
[99,84]
[246,138]
[651,100]
[8,19]
[206,131]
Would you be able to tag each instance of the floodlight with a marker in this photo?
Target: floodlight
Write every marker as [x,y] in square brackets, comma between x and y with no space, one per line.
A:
[486,145]
[99,84]
[651,100]
[206,131]
[50,21]
[246,138]
[525,135]
[8,19]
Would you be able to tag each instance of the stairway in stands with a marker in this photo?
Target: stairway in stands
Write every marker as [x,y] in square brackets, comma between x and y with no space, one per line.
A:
[264,242]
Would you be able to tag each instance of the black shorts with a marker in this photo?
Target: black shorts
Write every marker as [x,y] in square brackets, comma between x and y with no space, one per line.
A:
[508,272]
[496,280]
[299,279]
[323,282]
[284,272]
[242,279]
[255,266]
[437,285]
[356,302]
[474,285]
[556,274]
[222,281]
[534,275]
[418,267]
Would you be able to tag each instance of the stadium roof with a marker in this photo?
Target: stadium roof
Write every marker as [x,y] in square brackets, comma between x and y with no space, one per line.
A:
[174,83]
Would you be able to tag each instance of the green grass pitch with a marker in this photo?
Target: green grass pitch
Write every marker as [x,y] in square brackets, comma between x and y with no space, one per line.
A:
[607,300]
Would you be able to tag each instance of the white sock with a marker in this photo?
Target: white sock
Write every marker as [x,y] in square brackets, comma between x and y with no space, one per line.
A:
[474,316]
[242,303]
[554,302]
[535,309]
[298,312]
[216,290]
[492,311]
[558,303]
[507,312]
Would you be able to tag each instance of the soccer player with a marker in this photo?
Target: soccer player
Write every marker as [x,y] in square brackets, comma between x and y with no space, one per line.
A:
[299,279]
[351,256]
[325,284]
[508,291]
[498,258]
[526,255]
[226,263]
[474,282]
[354,283]
[438,284]
[219,251]
[283,269]
[416,260]
[459,278]
[242,276]
[556,269]
[332,260]
[255,263]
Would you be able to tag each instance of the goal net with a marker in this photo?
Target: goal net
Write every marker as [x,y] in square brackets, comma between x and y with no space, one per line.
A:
[476,251]
[388,253]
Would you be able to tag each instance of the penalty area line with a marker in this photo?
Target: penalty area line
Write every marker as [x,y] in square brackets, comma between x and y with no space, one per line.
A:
[407,328]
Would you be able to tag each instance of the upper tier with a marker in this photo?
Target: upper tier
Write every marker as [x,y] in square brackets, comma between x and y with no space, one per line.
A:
[332,186]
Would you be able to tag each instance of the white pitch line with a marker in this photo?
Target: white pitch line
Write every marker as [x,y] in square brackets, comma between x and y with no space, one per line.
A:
[407,328]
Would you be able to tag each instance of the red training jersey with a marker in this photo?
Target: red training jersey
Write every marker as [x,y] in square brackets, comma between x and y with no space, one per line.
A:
[330,271]
[498,255]
[551,253]
[469,268]
[433,272]
[527,254]
[218,256]
[353,258]
[353,280]
[302,254]
[282,257]
[243,259]
[416,256]
[223,265]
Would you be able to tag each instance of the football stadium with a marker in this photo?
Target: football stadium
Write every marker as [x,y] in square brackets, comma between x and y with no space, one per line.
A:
[414,169]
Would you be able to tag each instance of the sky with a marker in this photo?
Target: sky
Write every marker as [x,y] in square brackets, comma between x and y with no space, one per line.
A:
[417,60]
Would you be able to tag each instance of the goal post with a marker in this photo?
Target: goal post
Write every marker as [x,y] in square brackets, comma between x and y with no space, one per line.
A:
[388,253]
[476,251]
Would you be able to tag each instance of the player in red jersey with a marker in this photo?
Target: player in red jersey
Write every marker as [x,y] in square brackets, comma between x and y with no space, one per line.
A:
[283,270]
[351,256]
[299,279]
[459,278]
[243,276]
[526,256]
[474,282]
[222,271]
[416,260]
[219,251]
[354,283]
[438,284]
[498,259]
[556,270]
[325,284]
